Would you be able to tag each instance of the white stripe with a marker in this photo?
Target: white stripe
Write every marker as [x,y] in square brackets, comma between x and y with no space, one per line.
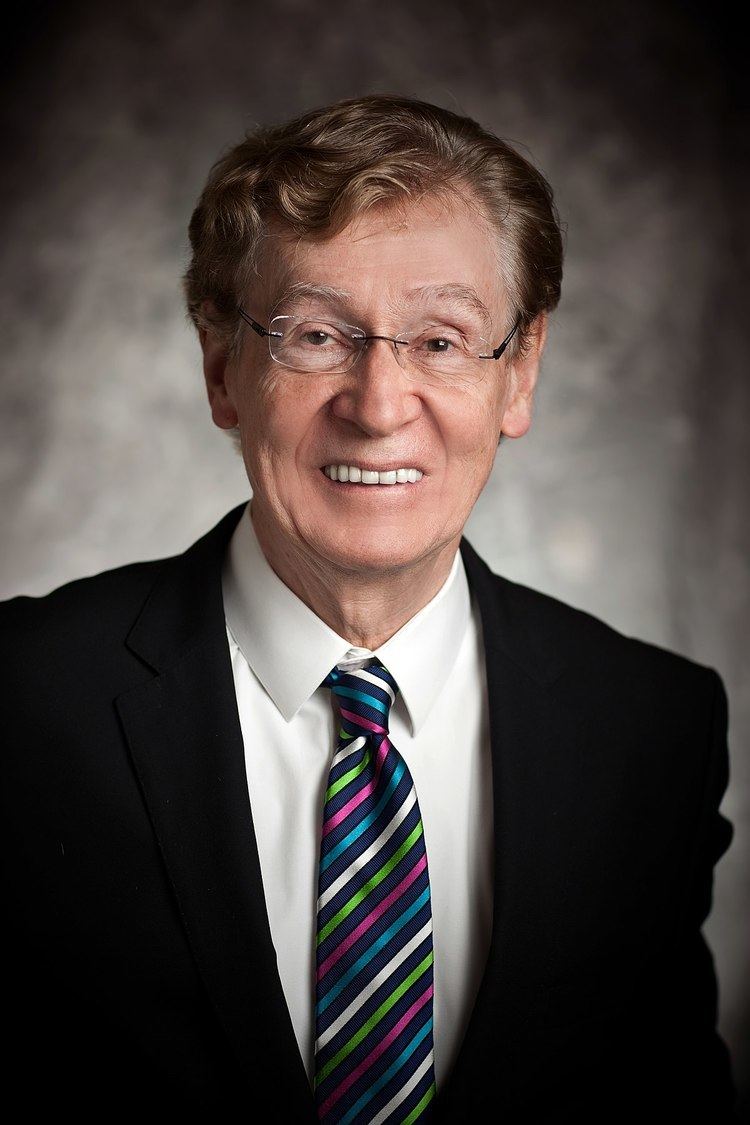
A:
[361,860]
[350,748]
[404,1092]
[362,675]
[373,986]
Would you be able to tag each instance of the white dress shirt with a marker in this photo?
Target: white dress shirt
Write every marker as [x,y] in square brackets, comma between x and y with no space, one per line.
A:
[281,651]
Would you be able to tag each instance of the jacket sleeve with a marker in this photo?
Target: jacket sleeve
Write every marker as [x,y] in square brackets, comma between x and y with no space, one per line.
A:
[698,1070]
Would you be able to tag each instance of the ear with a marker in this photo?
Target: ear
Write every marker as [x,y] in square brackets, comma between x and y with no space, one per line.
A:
[523,373]
[216,368]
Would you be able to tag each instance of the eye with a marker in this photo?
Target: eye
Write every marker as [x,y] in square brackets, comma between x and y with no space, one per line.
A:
[316,336]
[438,345]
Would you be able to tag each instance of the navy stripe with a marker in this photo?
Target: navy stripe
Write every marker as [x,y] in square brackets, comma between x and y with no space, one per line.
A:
[389,985]
[390,933]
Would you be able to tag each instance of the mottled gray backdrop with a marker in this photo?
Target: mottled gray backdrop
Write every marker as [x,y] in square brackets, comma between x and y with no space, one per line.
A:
[628,497]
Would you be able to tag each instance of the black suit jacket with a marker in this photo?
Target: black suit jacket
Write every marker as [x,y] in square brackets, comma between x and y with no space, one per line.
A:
[141,973]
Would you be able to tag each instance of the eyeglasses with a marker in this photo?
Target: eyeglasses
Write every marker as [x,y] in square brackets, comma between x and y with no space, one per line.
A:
[314,343]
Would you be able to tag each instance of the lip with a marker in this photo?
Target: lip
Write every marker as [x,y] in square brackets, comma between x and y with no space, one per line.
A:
[397,492]
[369,467]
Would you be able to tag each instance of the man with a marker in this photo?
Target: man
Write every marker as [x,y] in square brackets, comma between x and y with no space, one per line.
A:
[322,819]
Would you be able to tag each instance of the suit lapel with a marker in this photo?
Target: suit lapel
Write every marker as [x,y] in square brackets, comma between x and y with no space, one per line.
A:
[184,736]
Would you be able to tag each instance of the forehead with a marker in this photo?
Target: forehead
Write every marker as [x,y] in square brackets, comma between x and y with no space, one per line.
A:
[431,251]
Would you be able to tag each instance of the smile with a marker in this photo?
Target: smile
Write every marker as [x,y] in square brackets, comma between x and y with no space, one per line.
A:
[356,475]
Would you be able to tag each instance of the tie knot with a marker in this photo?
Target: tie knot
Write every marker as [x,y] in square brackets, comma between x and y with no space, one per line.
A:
[364,697]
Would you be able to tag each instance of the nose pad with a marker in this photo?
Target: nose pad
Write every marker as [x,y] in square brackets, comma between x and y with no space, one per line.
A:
[397,347]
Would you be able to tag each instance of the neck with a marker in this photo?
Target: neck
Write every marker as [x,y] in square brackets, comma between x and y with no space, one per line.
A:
[366,609]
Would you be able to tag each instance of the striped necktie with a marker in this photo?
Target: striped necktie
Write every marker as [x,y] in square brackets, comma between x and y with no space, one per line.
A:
[374,991]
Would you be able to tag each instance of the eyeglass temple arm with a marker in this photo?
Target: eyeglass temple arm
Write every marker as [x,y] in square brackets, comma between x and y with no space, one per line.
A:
[254,324]
[501,347]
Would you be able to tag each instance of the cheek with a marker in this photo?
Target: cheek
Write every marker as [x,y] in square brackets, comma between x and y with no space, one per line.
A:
[278,419]
[471,428]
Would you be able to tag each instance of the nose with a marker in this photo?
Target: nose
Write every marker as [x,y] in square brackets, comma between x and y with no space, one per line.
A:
[378,395]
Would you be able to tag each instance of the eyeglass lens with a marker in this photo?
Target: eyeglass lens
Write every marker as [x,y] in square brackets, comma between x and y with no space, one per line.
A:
[317,343]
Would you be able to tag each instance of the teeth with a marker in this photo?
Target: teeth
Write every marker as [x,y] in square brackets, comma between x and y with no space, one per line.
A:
[371,476]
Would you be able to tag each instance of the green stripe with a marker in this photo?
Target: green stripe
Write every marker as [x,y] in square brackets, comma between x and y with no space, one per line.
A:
[375,1018]
[371,883]
[347,777]
[426,1097]
[343,734]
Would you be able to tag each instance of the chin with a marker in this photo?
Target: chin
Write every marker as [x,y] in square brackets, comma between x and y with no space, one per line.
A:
[374,552]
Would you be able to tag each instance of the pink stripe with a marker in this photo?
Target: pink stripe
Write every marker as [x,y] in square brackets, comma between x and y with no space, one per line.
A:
[358,797]
[372,917]
[376,1052]
[360,721]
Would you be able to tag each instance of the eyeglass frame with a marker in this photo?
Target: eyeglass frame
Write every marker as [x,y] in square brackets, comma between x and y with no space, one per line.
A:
[497,352]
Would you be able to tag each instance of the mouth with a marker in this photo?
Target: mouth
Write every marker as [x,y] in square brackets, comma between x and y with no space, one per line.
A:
[369,475]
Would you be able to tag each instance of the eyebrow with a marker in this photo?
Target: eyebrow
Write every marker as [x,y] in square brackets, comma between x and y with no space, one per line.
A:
[310,289]
[458,294]
[450,291]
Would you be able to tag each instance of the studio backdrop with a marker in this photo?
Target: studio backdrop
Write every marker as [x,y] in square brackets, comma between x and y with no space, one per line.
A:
[628,497]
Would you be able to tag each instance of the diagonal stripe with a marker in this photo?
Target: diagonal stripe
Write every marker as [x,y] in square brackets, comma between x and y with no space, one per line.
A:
[376,1052]
[376,1017]
[362,674]
[361,721]
[372,917]
[360,795]
[404,1092]
[375,948]
[364,697]
[355,833]
[372,883]
[350,775]
[350,748]
[368,853]
[369,1094]
[387,971]
[421,1105]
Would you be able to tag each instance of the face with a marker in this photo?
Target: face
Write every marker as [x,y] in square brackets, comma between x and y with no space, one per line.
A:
[376,416]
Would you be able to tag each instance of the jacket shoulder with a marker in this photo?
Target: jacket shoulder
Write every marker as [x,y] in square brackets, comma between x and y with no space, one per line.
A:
[584,640]
[77,640]
[549,637]
[577,629]
[79,611]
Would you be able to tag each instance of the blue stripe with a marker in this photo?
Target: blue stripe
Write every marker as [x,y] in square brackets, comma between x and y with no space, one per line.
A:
[368,955]
[342,845]
[370,700]
[381,993]
[384,1078]
[363,874]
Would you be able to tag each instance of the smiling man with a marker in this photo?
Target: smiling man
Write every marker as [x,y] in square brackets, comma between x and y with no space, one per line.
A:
[366,452]
[322,819]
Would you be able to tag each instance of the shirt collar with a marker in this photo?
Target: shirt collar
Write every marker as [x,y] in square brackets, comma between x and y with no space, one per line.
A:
[291,650]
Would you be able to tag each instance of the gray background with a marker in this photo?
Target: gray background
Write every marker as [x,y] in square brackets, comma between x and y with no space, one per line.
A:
[628,497]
